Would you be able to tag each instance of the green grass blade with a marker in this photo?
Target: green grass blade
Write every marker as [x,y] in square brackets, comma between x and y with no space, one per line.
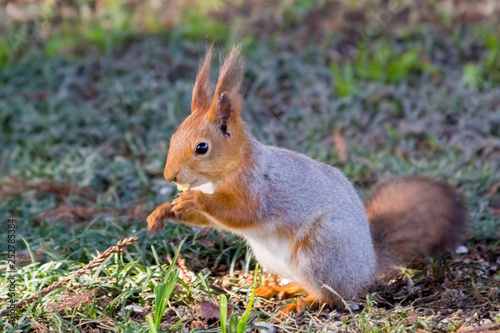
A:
[155,255]
[223,313]
[177,324]
[163,292]
[174,260]
[233,323]
[28,247]
[151,325]
[242,324]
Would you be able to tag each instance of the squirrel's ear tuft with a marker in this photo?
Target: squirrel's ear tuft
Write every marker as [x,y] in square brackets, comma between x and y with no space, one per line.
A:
[227,99]
[202,91]
[223,111]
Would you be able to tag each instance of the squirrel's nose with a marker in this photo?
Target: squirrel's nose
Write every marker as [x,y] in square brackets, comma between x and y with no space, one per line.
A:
[170,176]
[172,179]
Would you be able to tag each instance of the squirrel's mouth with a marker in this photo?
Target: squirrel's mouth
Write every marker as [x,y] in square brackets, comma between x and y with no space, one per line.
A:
[207,187]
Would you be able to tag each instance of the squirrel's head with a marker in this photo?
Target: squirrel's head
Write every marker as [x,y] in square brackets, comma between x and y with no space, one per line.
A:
[208,144]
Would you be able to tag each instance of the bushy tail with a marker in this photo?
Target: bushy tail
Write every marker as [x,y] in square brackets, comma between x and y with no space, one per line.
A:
[414,218]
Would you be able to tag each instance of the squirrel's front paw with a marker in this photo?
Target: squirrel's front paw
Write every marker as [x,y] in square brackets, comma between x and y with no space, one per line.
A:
[188,201]
[155,219]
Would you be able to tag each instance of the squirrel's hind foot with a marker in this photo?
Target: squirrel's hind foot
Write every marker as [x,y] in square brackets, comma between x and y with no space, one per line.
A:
[300,306]
[271,288]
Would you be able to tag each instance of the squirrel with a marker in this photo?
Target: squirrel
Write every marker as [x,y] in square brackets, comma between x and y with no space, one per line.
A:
[302,218]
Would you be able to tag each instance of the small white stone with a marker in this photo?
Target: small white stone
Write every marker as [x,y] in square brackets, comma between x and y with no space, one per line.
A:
[410,284]
[354,306]
[268,327]
[284,282]
[485,322]
[461,250]
[135,308]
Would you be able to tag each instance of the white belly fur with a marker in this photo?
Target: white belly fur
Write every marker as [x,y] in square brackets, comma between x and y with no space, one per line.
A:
[272,252]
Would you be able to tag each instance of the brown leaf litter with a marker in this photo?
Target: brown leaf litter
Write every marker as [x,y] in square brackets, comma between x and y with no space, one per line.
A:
[73,302]
[74,214]
[13,186]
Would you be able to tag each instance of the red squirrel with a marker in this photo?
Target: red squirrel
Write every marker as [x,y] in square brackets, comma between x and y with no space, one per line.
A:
[302,218]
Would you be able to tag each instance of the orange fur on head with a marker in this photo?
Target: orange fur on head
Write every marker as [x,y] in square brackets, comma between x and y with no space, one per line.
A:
[214,120]
[210,115]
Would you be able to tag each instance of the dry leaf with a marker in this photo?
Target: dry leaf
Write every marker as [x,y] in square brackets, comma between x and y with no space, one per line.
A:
[340,145]
[24,258]
[495,211]
[209,310]
[185,274]
[494,189]
[72,301]
[65,212]
[138,212]
[14,186]
[412,318]
[493,327]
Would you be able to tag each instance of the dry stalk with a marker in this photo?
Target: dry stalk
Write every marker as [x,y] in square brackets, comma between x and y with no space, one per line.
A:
[118,248]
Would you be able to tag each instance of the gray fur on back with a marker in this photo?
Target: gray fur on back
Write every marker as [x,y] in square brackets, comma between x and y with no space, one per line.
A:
[309,199]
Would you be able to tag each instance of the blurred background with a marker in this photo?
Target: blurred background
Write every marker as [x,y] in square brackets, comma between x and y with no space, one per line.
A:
[91,91]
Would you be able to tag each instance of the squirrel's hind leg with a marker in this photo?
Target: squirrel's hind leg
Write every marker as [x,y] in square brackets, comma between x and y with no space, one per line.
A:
[271,288]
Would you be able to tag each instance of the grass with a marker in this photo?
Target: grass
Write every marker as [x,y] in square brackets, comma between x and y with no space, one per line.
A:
[85,119]
[163,292]
[236,325]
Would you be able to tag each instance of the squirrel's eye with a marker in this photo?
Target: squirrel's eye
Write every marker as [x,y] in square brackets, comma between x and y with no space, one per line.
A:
[201,148]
